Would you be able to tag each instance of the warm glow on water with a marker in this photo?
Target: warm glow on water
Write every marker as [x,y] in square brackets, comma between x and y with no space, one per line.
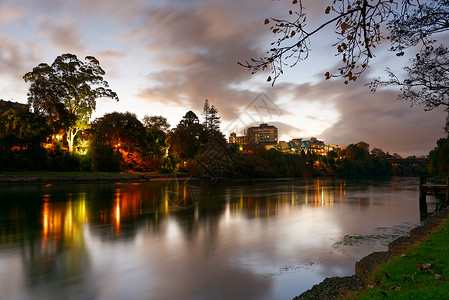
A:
[178,239]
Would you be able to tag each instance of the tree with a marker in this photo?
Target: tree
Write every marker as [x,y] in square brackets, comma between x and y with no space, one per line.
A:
[156,123]
[360,26]
[189,118]
[122,133]
[206,113]
[211,119]
[69,89]
[187,138]
[120,130]
[439,158]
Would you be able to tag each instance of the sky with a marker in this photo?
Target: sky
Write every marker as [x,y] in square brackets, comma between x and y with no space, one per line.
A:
[166,57]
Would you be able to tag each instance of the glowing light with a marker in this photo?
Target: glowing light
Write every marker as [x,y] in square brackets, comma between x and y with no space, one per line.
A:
[45,221]
[117,213]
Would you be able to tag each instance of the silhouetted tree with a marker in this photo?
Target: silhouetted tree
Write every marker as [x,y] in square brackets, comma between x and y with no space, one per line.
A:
[156,122]
[189,118]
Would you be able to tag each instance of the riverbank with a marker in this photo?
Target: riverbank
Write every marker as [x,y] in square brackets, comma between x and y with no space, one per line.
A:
[79,177]
[374,273]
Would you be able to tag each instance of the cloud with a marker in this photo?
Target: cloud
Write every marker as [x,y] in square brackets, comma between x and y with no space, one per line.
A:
[382,121]
[15,60]
[63,33]
[197,49]
[10,14]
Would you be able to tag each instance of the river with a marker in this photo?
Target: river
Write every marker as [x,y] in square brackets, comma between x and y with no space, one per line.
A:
[190,239]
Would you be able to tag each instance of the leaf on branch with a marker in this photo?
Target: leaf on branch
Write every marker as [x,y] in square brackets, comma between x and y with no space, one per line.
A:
[292,33]
[295,2]
[344,26]
[328,75]
[266,21]
[328,10]
[400,53]
[290,12]
[269,78]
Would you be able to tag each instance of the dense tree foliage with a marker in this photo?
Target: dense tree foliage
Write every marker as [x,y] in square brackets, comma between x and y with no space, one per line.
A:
[156,123]
[67,91]
[439,158]
[120,133]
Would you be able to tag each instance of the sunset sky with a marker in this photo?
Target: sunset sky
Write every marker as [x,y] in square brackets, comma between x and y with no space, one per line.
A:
[167,57]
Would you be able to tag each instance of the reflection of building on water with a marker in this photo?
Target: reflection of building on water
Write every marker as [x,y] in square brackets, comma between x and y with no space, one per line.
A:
[318,193]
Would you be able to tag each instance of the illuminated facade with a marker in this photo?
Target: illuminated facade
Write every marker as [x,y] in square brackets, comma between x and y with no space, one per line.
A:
[234,139]
[264,134]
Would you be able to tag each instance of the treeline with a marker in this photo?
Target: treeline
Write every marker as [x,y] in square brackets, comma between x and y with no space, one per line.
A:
[120,142]
[257,162]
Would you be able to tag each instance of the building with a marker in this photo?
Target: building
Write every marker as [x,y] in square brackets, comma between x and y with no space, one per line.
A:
[264,134]
[282,146]
[316,146]
[234,139]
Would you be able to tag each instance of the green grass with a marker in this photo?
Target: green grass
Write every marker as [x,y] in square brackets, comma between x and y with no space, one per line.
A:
[420,273]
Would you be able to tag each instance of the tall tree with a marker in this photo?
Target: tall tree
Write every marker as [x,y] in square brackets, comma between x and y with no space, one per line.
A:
[206,114]
[211,118]
[68,87]
[214,119]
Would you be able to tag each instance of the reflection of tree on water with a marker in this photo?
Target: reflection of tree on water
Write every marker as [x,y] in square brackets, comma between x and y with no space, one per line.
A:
[61,253]
[51,239]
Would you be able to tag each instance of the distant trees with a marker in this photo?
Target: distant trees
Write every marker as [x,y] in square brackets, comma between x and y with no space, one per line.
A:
[66,91]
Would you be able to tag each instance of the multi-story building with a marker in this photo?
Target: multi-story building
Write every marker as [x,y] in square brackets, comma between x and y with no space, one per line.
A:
[234,139]
[264,134]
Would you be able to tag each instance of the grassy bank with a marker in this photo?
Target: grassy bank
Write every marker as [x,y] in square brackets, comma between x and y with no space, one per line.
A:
[419,273]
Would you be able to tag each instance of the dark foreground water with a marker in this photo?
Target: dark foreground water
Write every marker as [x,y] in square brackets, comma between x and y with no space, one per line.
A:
[186,239]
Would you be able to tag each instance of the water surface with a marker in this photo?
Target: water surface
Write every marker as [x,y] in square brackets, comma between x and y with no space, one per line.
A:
[187,239]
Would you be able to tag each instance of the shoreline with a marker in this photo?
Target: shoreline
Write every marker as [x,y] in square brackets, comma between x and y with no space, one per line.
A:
[334,288]
[70,177]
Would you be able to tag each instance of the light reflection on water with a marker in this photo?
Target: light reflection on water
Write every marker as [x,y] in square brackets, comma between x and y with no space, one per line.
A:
[186,239]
